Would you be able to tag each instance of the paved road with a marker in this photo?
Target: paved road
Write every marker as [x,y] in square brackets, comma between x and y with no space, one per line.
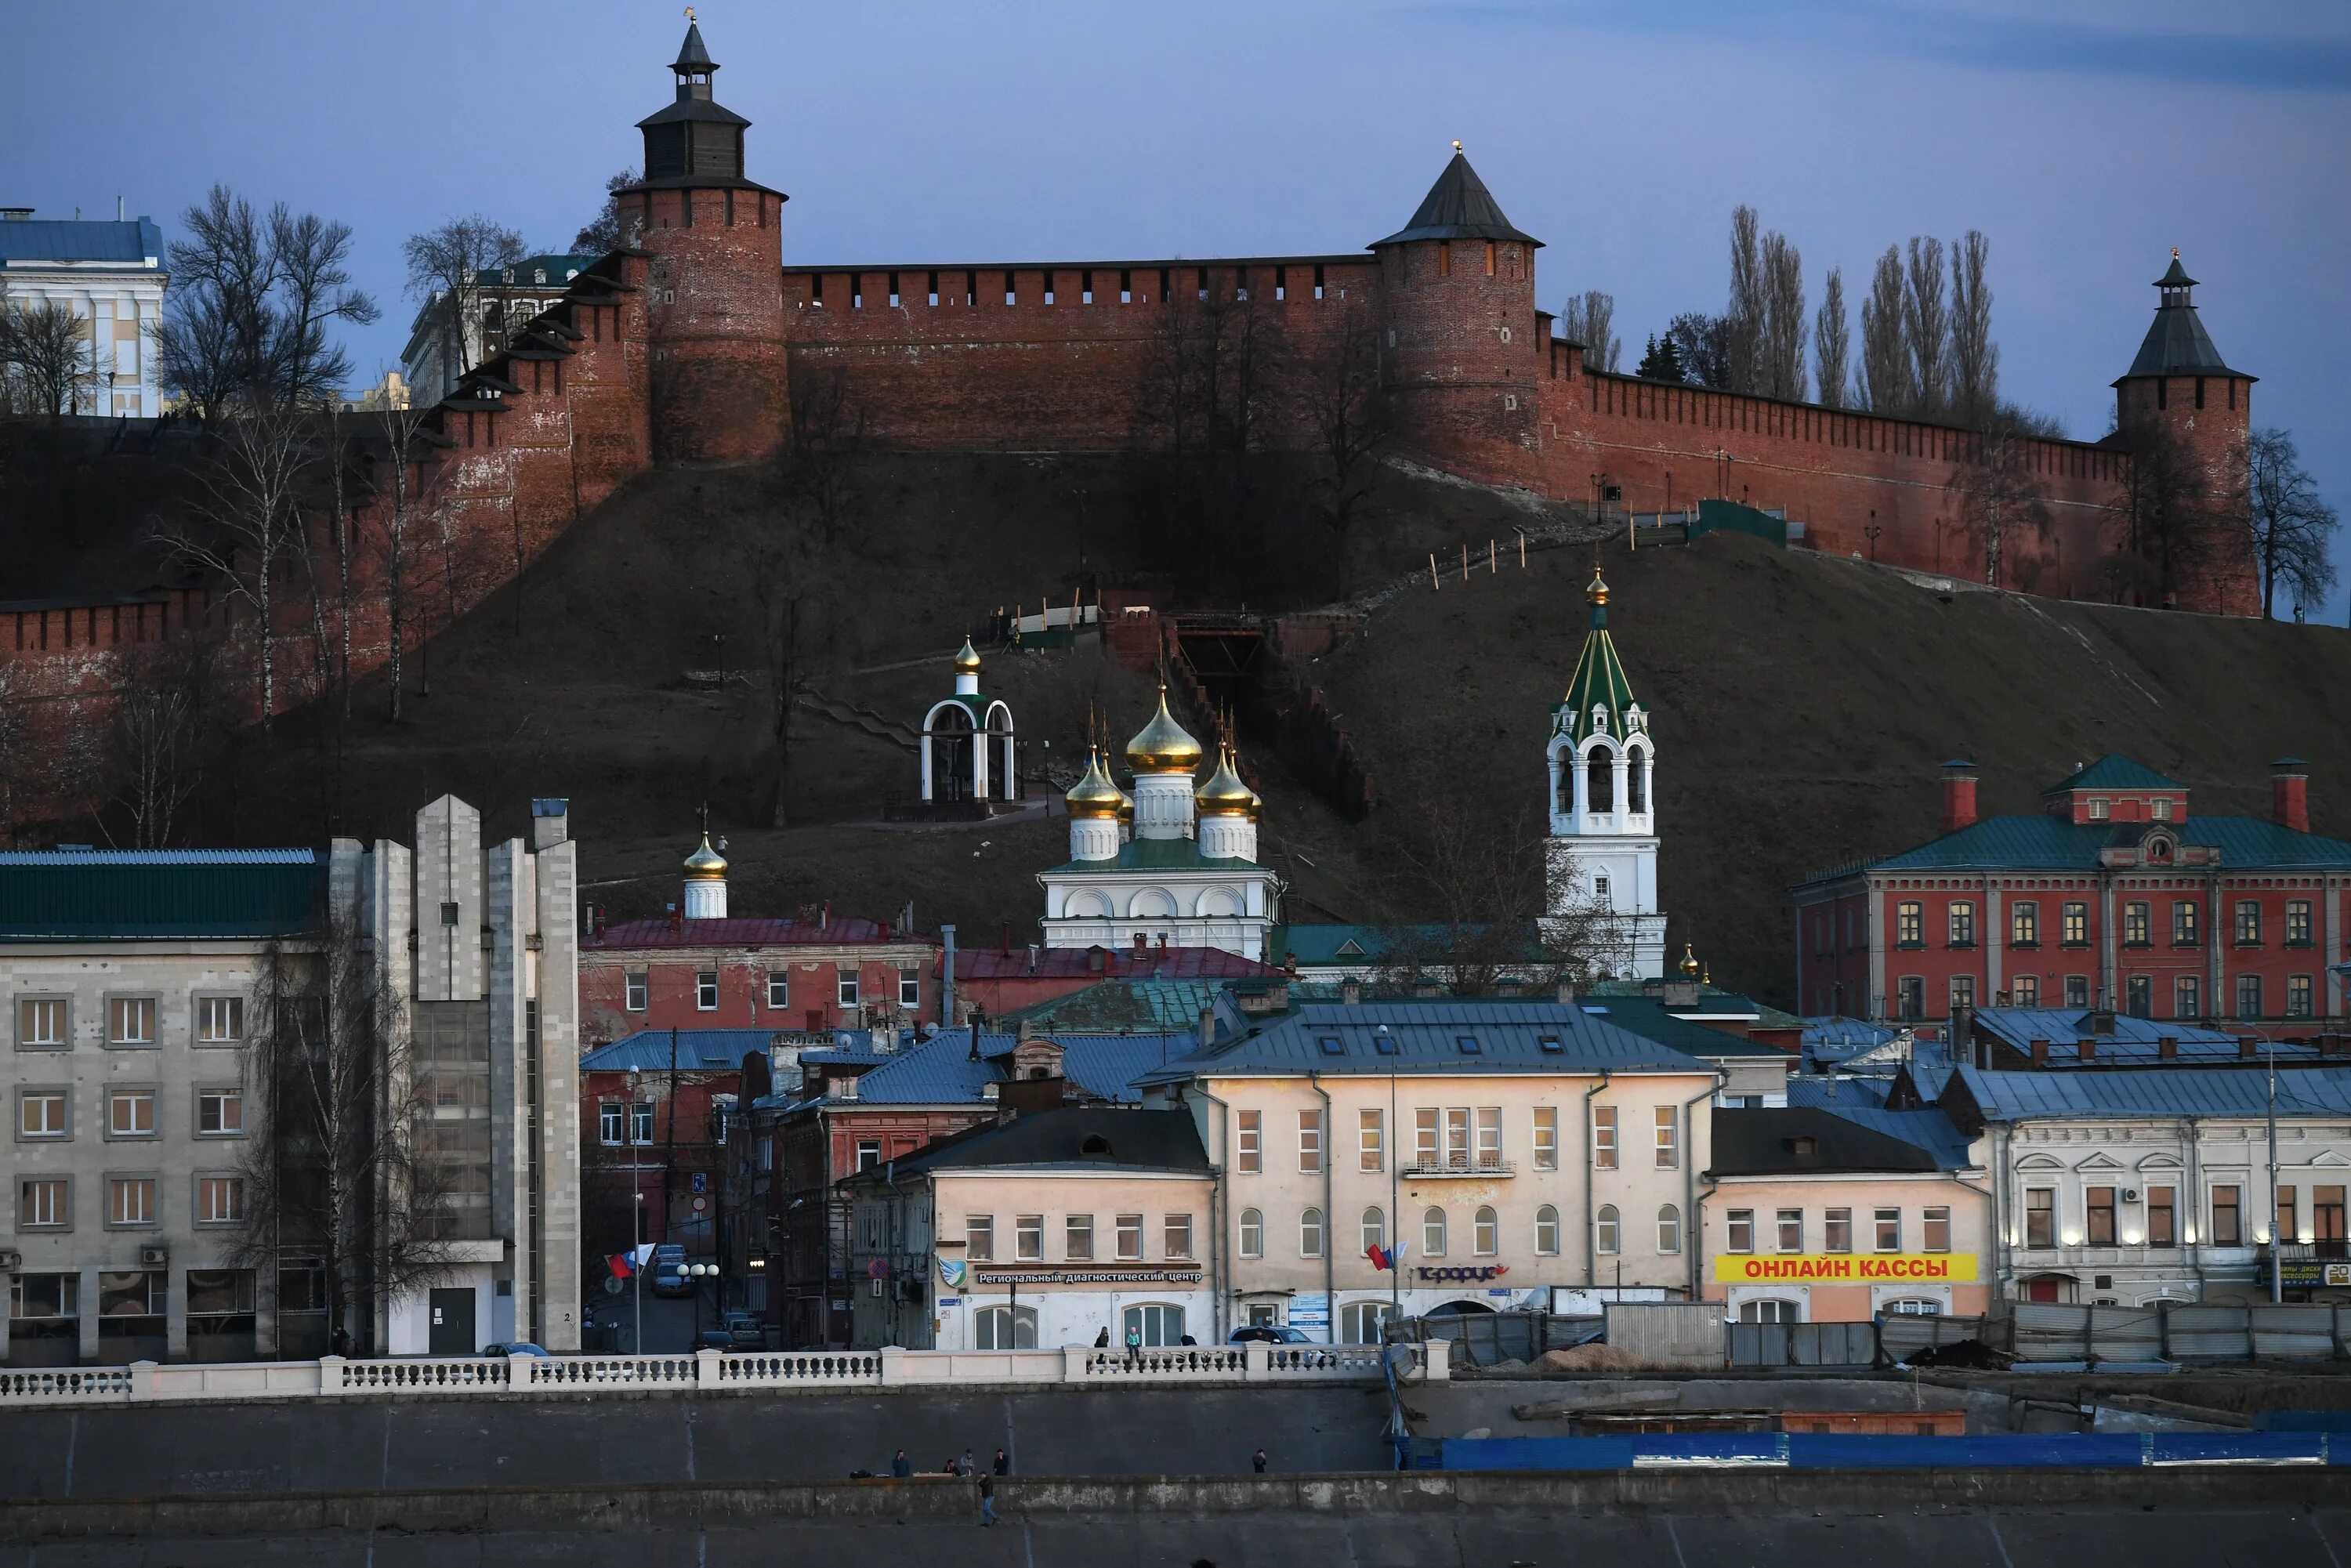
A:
[166,1451]
[2020,1539]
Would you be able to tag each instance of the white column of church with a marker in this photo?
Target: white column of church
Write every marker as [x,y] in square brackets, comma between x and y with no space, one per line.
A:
[1619,770]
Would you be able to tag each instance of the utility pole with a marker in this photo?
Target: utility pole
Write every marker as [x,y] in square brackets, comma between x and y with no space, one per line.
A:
[2277,1241]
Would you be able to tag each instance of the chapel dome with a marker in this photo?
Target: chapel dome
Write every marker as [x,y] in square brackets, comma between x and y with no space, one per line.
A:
[1225,794]
[1163,747]
[1094,794]
[705,864]
[966,659]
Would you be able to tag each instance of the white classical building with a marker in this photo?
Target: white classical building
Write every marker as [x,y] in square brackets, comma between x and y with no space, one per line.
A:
[1603,849]
[110,274]
[1174,865]
[970,757]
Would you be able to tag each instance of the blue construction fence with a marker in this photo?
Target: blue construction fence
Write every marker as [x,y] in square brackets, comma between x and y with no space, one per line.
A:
[1818,1451]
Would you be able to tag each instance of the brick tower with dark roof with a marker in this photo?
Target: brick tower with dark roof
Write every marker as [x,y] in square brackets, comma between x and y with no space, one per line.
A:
[720,385]
[1458,320]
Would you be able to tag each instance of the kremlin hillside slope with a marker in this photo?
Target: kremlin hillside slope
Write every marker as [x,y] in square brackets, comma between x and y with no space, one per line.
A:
[1801,704]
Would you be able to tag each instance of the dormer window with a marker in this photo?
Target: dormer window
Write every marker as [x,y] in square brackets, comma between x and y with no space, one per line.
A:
[1096,1146]
[2099,808]
[2160,808]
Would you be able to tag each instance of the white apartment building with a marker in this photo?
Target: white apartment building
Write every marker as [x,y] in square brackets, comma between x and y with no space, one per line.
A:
[131,983]
[2141,1185]
[1511,1154]
[110,274]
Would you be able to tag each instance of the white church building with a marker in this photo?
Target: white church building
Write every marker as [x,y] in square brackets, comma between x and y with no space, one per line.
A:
[970,760]
[1174,864]
[1603,849]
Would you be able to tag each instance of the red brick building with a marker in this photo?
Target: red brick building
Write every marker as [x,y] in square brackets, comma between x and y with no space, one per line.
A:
[654,1116]
[2114,897]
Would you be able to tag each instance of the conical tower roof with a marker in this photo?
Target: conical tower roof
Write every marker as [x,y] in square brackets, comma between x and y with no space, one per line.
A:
[691,54]
[1458,207]
[2175,342]
[1599,682]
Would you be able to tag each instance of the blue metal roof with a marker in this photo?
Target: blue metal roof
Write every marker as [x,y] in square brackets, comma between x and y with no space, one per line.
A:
[1930,1130]
[2157,1091]
[1122,1006]
[1427,1036]
[2040,842]
[30,240]
[698,1050]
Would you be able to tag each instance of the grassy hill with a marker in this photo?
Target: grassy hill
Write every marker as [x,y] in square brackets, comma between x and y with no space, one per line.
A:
[1801,704]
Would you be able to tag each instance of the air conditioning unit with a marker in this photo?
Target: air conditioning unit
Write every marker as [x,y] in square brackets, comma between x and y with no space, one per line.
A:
[2130,1195]
[10,1260]
[154,1256]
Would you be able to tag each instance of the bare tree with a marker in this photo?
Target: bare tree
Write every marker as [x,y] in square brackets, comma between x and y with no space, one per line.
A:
[827,449]
[2294,530]
[1927,328]
[1701,343]
[607,231]
[1466,906]
[252,301]
[16,752]
[1210,371]
[1590,319]
[1974,356]
[1829,342]
[1748,303]
[1889,384]
[445,267]
[2167,519]
[1353,421]
[1998,499]
[241,527]
[52,353]
[1780,354]
[397,491]
[334,1164]
[166,732]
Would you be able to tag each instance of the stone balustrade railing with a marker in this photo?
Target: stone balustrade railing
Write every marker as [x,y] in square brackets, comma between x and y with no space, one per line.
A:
[152,1382]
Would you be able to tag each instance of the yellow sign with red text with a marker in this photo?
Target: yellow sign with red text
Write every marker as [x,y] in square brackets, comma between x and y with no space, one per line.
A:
[1845,1268]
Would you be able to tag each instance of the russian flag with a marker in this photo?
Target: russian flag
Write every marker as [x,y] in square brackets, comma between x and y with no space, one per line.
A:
[620,1265]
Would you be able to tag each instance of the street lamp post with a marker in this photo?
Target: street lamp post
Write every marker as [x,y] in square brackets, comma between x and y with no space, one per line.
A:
[637,1271]
[698,1272]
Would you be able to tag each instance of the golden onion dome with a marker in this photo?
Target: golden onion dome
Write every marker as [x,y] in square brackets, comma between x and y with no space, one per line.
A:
[705,864]
[1094,794]
[1225,795]
[1597,589]
[966,659]
[1163,747]
[1688,965]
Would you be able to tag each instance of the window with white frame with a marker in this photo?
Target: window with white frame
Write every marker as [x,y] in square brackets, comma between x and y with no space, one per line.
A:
[910,987]
[845,984]
[1432,1232]
[43,1203]
[1126,1234]
[220,1199]
[640,1123]
[1669,1229]
[634,990]
[1370,1140]
[1669,1139]
[131,1112]
[131,1200]
[1248,1141]
[41,1022]
[1373,1227]
[779,989]
[1077,1238]
[1546,1138]
[979,1238]
[611,1122]
[1177,1235]
[1486,1232]
[1607,1230]
[1791,1230]
[1739,1230]
[1889,1229]
[130,1021]
[1028,1239]
[705,990]
[220,1020]
[1309,1233]
[1547,1231]
[1935,1228]
[1603,1137]
[43,1113]
[1310,1141]
[1252,1233]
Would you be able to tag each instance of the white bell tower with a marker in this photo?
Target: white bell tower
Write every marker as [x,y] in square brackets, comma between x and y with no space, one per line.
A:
[1602,850]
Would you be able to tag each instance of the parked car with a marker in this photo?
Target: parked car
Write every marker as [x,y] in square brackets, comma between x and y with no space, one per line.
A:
[746,1331]
[519,1347]
[1268,1333]
[666,1271]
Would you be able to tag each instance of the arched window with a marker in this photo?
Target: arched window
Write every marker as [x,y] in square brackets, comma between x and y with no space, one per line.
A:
[1913,1306]
[1432,1233]
[1600,780]
[1669,1229]
[1637,785]
[1486,1233]
[950,741]
[996,1328]
[1158,1324]
[1252,1233]
[1359,1322]
[1605,1229]
[1770,1310]
[1375,1228]
[1567,784]
[1309,1233]
[1547,1231]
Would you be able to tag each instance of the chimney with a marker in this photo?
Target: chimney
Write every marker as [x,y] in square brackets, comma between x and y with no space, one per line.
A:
[550,823]
[2040,1053]
[1208,1028]
[2166,1048]
[1566,991]
[2086,1048]
[1032,957]
[946,978]
[1959,795]
[1142,943]
[2247,1047]
[2330,1045]
[1351,991]
[2290,794]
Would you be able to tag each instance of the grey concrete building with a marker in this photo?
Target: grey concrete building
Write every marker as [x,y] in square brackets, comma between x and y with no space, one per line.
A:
[132,985]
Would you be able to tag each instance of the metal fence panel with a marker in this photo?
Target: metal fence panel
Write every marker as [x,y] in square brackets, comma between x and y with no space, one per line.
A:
[2047,1331]
[2125,1334]
[1903,1335]
[2208,1334]
[2295,1333]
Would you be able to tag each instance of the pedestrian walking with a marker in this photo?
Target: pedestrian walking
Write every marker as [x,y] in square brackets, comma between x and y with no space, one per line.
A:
[1003,1463]
[986,1498]
[1256,1461]
[901,1466]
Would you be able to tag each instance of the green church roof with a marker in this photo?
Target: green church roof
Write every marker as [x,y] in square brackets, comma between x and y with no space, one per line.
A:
[1599,682]
[2115,772]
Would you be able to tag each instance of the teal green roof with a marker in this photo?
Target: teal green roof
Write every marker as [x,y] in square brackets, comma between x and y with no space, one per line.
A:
[131,895]
[2047,842]
[1161,854]
[1122,1006]
[2115,772]
[1647,1017]
[1599,682]
[1334,942]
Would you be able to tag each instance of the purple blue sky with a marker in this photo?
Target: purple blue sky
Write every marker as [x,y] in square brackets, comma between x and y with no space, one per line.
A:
[2085,137]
